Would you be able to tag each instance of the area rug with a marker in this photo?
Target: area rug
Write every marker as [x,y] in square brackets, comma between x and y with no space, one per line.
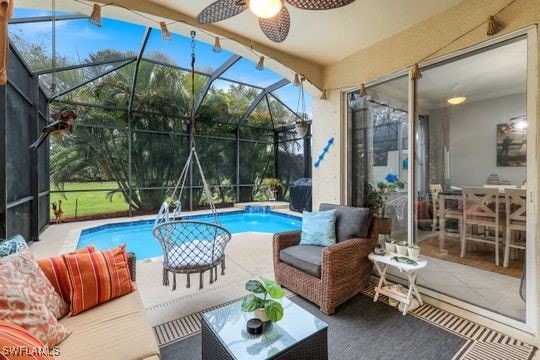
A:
[362,329]
[482,257]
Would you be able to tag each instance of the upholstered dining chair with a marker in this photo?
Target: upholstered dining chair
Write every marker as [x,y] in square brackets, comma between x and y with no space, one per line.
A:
[328,275]
[481,208]
[516,220]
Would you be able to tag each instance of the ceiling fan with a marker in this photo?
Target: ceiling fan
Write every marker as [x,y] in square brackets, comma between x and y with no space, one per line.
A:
[274,18]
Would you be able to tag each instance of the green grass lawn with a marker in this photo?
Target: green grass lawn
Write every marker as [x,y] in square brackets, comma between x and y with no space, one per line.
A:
[91,202]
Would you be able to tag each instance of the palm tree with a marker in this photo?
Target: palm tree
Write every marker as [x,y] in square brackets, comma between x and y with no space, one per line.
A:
[159,133]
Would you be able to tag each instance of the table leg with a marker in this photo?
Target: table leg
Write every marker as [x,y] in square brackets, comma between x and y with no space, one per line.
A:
[382,279]
[413,291]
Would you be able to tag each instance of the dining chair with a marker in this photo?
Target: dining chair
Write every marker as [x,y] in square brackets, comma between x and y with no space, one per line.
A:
[481,208]
[434,190]
[516,220]
[450,208]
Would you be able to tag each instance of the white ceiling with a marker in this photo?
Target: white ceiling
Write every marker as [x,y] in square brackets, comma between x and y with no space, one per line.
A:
[491,74]
[328,36]
[322,37]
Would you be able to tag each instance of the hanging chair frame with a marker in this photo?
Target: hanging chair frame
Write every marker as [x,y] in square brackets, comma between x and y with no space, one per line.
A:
[164,214]
[190,246]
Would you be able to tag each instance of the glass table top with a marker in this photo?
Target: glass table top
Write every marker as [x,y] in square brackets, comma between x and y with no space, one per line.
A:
[229,323]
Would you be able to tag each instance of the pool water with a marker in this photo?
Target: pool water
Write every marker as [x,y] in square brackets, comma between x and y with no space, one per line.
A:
[138,235]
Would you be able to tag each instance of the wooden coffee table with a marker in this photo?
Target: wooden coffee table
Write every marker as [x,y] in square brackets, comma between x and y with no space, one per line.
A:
[299,335]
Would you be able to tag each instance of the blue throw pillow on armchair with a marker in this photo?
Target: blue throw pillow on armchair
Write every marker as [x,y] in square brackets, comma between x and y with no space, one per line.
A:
[318,228]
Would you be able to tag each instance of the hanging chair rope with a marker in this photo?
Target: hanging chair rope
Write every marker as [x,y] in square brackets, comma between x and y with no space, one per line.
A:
[176,197]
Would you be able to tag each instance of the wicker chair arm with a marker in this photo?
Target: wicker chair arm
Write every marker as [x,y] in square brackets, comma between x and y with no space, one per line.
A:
[132,264]
[284,240]
[340,260]
[358,247]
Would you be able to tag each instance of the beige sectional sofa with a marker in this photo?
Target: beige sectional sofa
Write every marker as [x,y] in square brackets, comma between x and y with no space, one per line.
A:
[116,330]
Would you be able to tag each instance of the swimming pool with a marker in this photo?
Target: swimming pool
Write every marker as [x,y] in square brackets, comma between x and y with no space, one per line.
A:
[137,235]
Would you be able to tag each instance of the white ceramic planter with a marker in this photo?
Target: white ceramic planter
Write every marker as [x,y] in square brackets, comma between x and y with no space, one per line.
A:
[402,250]
[260,314]
[390,248]
[414,253]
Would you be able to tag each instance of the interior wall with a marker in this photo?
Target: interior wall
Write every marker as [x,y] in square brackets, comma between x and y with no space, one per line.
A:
[399,52]
[468,150]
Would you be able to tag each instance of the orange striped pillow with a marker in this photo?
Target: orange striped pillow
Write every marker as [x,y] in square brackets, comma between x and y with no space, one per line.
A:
[17,343]
[55,270]
[97,277]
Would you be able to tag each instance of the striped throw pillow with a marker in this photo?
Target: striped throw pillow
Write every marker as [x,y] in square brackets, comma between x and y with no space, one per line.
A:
[97,277]
[17,343]
[55,270]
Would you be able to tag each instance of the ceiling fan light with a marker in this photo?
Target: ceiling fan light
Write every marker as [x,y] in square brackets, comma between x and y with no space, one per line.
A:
[265,9]
[457,100]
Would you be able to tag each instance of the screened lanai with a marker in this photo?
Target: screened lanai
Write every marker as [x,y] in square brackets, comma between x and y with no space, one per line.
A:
[131,90]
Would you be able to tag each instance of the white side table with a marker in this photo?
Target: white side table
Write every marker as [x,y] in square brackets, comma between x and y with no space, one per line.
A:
[385,261]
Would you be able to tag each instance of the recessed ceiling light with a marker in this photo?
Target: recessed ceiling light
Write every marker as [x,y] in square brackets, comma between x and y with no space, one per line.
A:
[457,100]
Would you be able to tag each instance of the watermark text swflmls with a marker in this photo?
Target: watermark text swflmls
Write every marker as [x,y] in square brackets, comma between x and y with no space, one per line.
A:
[30,351]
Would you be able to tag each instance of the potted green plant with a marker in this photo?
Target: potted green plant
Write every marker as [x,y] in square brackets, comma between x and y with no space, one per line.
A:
[263,308]
[376,197]
[272,185]
[402,248]
[414,251]
[390,246]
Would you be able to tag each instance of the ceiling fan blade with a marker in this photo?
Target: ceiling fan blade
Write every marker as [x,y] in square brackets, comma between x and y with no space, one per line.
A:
[221,10]
[319,4]
[276,28]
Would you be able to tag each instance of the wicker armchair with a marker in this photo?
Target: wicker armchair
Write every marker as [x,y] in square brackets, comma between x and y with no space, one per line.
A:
[344,268]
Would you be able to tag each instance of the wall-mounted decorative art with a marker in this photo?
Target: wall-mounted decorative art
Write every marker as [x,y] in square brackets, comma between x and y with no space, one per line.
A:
[512,142]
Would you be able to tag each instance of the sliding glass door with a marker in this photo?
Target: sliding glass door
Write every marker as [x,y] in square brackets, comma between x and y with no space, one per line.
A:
[378,138]
[471,169]
[473,172]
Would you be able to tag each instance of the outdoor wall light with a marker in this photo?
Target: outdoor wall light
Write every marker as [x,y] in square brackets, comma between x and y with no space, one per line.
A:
[457,100]
[265,9]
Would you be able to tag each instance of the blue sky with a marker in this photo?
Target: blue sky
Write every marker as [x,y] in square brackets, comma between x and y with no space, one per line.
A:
[76,39]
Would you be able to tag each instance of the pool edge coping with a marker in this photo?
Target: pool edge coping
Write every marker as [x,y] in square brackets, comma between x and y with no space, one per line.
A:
[70,244]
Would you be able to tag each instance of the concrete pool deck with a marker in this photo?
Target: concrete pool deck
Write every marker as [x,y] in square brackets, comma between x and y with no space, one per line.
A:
[248,256]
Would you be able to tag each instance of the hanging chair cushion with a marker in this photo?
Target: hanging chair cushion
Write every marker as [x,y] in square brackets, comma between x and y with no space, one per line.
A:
[195,253]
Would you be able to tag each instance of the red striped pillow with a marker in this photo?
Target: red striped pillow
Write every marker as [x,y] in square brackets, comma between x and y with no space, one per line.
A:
[17,343]
[97,277]
[55,270]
